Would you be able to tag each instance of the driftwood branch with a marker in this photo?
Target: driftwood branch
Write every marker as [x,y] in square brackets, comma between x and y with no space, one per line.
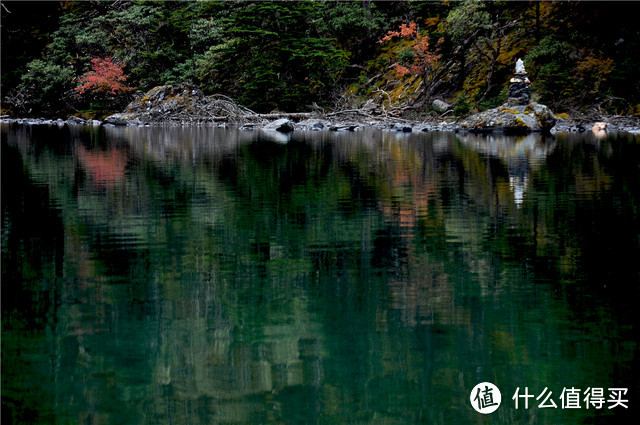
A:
[292,115]
[220,108]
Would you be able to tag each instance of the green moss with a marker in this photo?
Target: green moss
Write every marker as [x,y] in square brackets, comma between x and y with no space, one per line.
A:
[520,123]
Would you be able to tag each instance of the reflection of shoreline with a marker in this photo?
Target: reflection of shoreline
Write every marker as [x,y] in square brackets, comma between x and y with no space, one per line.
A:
[238,279]
[521,155]
[534,148]
[192,144]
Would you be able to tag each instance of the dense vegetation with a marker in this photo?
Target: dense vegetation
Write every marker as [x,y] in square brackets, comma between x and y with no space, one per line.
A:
[67,57]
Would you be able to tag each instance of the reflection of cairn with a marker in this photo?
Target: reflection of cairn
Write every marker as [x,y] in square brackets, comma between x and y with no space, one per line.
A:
[520,87]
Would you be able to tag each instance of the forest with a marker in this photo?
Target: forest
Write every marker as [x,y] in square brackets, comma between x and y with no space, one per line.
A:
[91,58]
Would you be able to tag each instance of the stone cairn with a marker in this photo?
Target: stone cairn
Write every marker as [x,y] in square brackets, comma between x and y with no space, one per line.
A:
[518,115]
[520,87]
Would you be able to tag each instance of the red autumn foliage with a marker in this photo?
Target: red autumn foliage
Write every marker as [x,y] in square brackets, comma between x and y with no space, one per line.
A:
[405,31]
[106,77]
[402,70]
[424,59]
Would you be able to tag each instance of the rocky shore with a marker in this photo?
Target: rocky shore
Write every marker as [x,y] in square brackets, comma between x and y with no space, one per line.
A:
[184,104]
[577,124]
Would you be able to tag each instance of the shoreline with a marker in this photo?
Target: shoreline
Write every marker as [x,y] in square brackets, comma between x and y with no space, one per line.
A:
[629,124]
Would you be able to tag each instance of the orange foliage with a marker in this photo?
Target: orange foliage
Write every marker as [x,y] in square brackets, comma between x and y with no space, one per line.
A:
[402,70]
[405,31]
[593,69]
[424,58]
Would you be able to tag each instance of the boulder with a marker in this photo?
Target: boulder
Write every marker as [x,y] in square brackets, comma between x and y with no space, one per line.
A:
[122,118]
[599,129]
[314,124]
[511,119]
[76,120]
[169,98]
[599,126]
[440,105]
[545,118]
[282,125]
[158,103]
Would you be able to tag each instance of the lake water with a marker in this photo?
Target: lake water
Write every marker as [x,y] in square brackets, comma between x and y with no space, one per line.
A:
[211,275]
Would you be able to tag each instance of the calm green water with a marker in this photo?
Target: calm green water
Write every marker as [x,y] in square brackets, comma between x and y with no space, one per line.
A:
[188,276]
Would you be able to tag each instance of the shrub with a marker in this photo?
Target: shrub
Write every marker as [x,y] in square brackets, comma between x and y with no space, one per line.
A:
[106,77]
[43,86]
[463,106]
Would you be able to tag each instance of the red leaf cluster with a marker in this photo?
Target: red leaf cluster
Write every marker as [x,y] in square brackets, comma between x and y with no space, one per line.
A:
[405,31]
[424,58]
[106,77]
[402,70]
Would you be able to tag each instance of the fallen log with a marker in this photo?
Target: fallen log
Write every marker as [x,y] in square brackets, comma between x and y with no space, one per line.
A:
[292,115]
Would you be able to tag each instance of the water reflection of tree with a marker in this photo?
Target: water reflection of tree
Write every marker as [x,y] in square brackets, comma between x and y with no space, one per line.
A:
[249,279]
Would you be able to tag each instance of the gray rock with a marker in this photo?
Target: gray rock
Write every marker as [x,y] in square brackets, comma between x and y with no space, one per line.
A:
[441,106]
[314,124]
[159,104]
[122,118]
[282,125]
[76,120]
[511,119]
[343,127]
[405,128]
